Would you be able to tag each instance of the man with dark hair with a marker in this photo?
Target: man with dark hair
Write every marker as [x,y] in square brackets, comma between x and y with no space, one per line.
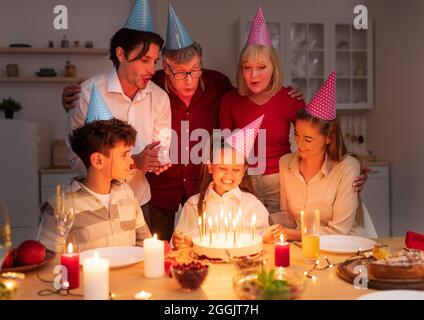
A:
[132,97]
[106,211]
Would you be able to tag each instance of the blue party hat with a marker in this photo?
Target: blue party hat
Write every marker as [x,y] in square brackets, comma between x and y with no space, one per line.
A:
[140,18]
[177,36]
[97,108]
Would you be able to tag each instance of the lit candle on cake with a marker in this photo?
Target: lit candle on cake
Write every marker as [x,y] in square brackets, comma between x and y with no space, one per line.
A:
[221,218]
[240,220]
[217,224]
[200,222]
[253,226]
[210,229]
[204,222]
[96,278]
[235,231]
[282,253]
[154,257]
[71,261]
[226,228]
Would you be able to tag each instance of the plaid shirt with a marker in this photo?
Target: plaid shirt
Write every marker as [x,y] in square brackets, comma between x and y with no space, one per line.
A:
[96,226]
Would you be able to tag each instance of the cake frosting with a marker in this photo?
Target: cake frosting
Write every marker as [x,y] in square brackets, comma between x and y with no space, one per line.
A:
[221,244]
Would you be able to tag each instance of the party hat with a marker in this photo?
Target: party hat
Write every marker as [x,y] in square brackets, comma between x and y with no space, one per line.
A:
[140,18]
[244,139]
[259,33]
[177,36]
[323,104]
[97,108]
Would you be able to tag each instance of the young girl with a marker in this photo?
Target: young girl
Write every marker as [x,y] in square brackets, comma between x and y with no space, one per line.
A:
[320,174]
[225,188]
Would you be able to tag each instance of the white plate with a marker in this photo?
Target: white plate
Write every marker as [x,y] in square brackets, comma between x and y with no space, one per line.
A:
[394,295]
[345,244]
[118,256]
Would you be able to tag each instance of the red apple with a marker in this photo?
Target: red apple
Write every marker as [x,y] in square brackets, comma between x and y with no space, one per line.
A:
[30,252]
[8,261]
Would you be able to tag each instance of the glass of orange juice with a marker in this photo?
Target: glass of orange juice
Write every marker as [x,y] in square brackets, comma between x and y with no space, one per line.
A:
[310,224]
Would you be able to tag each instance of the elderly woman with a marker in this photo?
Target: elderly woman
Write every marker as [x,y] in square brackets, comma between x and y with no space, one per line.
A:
[260,92]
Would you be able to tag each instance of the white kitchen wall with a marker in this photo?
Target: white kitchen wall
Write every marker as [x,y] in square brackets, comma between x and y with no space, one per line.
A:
[26,21]
[395,127]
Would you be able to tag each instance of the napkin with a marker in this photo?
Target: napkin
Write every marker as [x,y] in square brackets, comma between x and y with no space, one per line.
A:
[414,240]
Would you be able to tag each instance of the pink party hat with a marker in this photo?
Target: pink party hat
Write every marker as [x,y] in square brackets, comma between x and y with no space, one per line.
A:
[323,104]
[259,33]
[244,139]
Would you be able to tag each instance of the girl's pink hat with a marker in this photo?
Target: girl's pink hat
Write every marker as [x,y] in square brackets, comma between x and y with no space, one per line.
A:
[243,140]
[323,104]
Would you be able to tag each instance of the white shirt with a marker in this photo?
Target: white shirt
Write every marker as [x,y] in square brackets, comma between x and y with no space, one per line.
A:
[231,200]
[149,113]
[103,198]
[330,191]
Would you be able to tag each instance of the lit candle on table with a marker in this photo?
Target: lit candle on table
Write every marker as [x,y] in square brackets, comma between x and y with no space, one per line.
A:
[253,226]
[210,229]
[96,278]
[235,231]
[200,222]
[154,257]
[282,253]
[70,260]
[143,295]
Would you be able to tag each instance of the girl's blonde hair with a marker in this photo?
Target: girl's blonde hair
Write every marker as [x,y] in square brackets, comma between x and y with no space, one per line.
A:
[252,52]
[206,177]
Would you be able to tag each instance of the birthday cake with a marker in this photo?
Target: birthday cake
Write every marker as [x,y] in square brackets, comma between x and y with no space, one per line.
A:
[223,245]
[408,264]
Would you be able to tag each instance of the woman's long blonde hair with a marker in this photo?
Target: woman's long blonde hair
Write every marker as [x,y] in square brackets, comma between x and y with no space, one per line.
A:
[252,52]
[206,177]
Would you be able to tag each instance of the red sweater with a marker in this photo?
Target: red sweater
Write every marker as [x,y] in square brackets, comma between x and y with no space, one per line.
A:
[237,111]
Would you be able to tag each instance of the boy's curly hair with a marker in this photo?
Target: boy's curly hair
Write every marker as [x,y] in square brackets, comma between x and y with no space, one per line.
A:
[100,136]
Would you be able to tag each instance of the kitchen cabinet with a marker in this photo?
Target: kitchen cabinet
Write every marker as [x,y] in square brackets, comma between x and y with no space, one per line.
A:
[376,197]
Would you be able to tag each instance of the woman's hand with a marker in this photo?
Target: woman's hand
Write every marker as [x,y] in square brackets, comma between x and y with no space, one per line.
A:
[360,181]
[273,233]
[181,240]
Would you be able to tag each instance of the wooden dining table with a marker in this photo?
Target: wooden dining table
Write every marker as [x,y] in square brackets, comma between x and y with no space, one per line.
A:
[127,281]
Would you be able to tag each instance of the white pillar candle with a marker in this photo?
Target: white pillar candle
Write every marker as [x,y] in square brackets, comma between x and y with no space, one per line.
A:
[96,278]
[154,257]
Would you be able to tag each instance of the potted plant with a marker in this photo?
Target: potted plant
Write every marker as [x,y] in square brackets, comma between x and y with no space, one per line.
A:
[9,106]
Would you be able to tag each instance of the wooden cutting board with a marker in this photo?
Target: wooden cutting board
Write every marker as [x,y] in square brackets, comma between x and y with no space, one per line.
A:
[347,272]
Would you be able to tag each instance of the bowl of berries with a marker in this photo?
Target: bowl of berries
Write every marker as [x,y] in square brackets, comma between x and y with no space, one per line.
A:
[190,275]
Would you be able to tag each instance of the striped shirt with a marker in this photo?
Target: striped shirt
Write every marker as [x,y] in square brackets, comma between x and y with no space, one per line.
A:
[95,225]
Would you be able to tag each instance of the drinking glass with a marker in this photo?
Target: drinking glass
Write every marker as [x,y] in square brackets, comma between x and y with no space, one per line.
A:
[64,212]
[5,232]
[310,224]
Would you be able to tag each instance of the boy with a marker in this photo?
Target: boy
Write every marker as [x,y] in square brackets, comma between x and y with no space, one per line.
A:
[106,211]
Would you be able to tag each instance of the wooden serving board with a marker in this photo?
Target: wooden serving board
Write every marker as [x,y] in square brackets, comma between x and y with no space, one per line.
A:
[346,271]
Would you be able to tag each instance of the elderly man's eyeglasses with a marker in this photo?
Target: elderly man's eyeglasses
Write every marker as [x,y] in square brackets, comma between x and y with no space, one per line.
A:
[183,75]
